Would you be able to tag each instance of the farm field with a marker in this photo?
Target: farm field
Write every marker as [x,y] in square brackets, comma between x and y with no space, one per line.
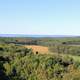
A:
[39,49]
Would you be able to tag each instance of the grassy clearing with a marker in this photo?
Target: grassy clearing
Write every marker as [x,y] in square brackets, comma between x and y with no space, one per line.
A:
[40,49]
[75,58]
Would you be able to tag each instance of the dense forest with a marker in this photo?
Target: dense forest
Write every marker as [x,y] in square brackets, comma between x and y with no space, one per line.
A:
[20,63]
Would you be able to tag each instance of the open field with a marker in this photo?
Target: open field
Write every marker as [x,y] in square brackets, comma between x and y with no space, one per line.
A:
[40,49]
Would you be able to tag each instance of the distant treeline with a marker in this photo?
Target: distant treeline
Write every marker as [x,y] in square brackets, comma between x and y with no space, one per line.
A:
[23,43]
[57,45]
[42,41]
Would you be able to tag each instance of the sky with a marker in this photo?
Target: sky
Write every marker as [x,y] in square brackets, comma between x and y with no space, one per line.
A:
[40,17]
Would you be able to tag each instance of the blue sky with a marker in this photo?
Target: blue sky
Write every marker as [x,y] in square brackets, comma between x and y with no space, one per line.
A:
[50,17]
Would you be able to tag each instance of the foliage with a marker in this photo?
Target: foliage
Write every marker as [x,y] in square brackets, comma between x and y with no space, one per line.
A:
[20,63]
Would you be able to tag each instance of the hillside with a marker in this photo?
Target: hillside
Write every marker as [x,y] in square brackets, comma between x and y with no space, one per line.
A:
[48,59]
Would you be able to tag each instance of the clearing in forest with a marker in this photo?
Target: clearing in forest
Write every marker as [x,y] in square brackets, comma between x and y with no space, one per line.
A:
[39,49]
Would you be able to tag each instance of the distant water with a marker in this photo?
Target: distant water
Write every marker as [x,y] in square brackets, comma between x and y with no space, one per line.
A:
[24,35]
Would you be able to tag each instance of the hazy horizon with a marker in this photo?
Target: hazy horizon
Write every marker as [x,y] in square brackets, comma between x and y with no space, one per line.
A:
[36,36]
[40,17]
